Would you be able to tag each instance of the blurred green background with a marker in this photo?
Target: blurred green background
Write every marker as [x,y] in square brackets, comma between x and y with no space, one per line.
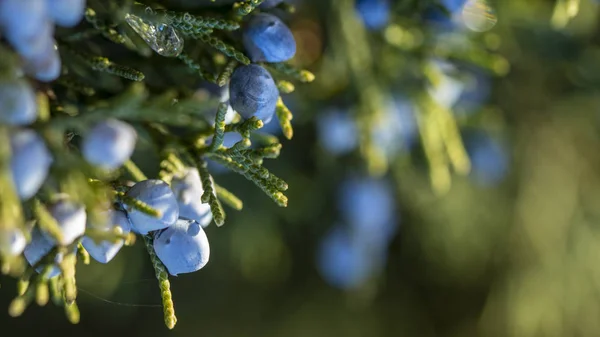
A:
[515,259]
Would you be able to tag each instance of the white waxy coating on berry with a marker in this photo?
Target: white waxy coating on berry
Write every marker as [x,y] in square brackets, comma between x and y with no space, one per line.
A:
[12,242]
[66,13]
[158,195]
[188,190]
[29,163]
[109,144]
[38,247]
[105,251]
[17,103]
[183,247]
[71,219]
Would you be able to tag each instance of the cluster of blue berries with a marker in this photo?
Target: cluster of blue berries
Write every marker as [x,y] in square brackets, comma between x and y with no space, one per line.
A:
[108,145]
[179,239]
[29,27]
[355,250]
[65,135]
[252,90]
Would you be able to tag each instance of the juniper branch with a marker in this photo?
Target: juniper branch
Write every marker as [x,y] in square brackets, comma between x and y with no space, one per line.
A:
[163,282]
[223,47]
[209,193]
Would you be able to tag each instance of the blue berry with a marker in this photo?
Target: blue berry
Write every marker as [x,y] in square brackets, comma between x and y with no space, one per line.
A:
[345,261]
[252,92]
[368,206]
[17,103]
[105,251]
[337,131]
[45,63]
[267,39]
[188,190]
[29,163]
[23,22]
[12,242]
[66,13]
[109,144]
[489,158]
[375,14]
[183,247]
[158,195]
[38,248]
[71,219]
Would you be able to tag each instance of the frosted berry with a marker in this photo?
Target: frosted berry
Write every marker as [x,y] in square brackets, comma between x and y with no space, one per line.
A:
[252,92]
[17,103]
[183,247]
[71,219]
[105,251]
[109,144]
[267,39]
[158,195]
[188,190]
[29,163]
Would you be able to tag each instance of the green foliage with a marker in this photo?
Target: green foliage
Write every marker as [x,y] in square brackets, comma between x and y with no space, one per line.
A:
[98,83]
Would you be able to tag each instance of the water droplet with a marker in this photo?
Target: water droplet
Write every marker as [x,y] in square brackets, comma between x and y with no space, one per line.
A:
[162,38]
[479,16]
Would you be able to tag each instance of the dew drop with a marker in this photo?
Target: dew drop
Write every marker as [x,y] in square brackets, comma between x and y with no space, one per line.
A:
[162,38]
[479,16]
